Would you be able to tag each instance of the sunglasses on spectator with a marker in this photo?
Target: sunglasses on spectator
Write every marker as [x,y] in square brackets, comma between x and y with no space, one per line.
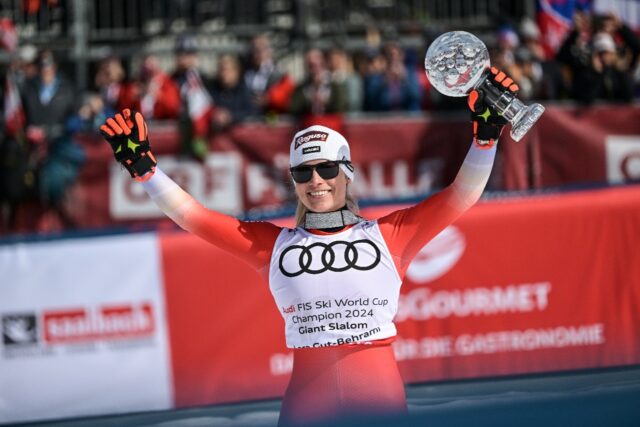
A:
[326,170]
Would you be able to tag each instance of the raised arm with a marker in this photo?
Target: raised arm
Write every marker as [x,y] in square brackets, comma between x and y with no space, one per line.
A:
[251,241]
[406,231]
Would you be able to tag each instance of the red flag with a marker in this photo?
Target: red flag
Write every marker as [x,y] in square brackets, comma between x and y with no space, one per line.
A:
[8,35]
[31,7]
[199,104]
[14,117]
[555,21]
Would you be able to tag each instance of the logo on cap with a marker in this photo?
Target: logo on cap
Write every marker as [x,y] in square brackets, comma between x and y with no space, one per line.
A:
[311,136]
[314,149]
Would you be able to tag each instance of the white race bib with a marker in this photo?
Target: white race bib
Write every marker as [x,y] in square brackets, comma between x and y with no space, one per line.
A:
[334,289]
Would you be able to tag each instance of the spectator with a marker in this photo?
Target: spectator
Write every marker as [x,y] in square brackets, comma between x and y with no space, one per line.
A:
[541,78]
[608,78]
[508,42]
[196,102]
[48,103]
[597,69]
[111,83]
[530,38]
[342,73]
[154,94]
[391,85]
[17,181]
[231,96]
[629,49]
[317,98]
[575,55]
[92,113]
[522,57]
[271,88]
[509,56]
[25,66]
[527,73]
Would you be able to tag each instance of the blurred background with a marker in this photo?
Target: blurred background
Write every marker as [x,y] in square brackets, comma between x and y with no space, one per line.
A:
[534,291]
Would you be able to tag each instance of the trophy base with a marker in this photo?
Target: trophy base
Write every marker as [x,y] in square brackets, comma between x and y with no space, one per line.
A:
[524,120]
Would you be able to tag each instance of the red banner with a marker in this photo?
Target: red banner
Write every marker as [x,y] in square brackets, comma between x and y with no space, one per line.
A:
[515,286]
[576,145]
[247,169]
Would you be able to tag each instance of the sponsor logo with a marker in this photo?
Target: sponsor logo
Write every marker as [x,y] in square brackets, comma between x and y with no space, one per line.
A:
[311,136]
[105,323]
[437,257]
[502,341]
[356,255]
[19,329]
[623,158]
[630,166]
[49,331]
[424,304]
[290,309]
[308,150]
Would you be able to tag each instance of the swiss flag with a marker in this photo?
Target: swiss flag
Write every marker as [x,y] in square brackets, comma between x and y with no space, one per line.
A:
[555,19]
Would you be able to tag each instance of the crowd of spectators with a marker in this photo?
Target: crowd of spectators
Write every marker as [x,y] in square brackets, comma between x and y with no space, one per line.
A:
[40,159]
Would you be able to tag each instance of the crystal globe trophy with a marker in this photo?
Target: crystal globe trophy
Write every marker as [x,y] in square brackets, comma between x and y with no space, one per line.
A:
[457,62]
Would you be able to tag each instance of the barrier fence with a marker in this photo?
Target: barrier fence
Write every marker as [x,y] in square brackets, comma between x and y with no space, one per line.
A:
[247,169]
[164,320]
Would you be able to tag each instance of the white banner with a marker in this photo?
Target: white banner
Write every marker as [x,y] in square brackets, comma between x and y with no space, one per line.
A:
[623,158]
[216,183]
[83,328]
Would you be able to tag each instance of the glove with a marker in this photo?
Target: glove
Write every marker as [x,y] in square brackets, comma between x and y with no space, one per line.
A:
[126,132]
[487,123]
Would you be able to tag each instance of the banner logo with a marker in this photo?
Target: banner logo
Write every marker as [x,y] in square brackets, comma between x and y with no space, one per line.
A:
[438,256]
[349,257]
[50,331]
[19,329]
[623,158]
[424,304]
[106,323]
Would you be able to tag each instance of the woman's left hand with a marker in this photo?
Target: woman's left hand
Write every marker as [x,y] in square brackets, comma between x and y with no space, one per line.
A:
[487,122]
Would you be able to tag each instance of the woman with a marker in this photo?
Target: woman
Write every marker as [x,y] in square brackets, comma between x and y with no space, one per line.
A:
[335,277]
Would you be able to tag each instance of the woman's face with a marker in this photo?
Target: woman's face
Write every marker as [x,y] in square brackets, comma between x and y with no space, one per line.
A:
[323,195]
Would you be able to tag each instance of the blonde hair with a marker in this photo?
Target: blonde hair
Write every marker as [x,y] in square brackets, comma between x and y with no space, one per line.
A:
[301,209]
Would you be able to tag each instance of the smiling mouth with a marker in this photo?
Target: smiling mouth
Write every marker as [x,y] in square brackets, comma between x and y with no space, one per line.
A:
[318,193]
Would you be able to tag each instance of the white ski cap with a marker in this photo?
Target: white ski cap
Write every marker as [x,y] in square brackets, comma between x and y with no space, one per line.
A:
[603,42]
[320,142]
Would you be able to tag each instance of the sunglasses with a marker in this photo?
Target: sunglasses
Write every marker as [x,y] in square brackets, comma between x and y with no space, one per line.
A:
[326,170]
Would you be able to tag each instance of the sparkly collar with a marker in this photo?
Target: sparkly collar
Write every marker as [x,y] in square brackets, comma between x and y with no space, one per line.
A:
[330,221]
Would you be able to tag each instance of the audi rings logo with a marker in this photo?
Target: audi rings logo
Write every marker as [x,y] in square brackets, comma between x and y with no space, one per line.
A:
[331,258]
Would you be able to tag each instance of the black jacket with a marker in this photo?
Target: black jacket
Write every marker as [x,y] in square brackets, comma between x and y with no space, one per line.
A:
[53,115]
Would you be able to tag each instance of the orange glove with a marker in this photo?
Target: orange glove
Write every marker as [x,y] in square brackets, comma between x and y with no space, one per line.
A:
[487,122]
[126,132]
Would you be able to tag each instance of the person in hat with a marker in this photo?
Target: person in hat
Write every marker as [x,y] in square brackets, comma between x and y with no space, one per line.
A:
[608,78]
[271,87]
[341,367]
[600,68]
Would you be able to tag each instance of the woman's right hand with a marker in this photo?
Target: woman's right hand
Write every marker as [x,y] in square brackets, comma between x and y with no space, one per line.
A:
[127,134]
